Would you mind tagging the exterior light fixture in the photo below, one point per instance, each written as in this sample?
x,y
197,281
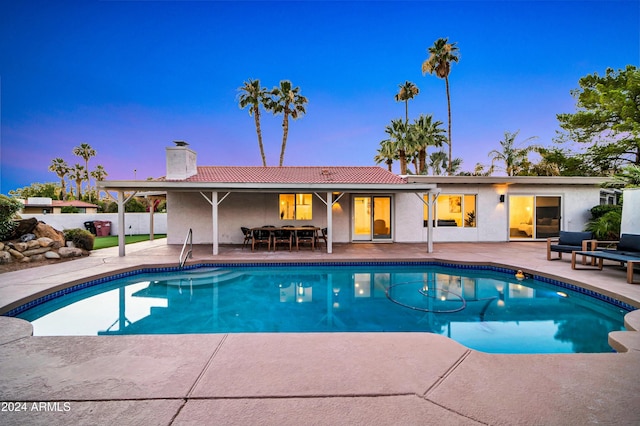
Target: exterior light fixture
x,y
502,198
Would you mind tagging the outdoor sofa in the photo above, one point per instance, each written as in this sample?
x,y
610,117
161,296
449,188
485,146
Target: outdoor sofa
x,y
627,251
570,241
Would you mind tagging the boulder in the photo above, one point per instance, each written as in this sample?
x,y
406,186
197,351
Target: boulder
x,y
51,255
5,257
37,258
25,259
27,237
44,230
16,254
33,244
23,226
66,252
45,242
1,246
18,246
35,251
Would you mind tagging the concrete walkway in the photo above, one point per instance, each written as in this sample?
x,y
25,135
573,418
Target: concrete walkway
x,y
294,379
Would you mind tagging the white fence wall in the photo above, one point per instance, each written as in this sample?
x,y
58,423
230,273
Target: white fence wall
x,y
135,223
630,208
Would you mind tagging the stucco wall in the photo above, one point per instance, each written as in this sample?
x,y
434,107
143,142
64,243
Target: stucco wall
x,y
135,223
630,208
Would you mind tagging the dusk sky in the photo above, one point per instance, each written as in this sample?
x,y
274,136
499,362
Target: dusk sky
x,y
129,77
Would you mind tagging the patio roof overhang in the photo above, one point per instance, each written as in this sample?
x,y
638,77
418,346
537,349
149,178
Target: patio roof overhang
x,y
182,186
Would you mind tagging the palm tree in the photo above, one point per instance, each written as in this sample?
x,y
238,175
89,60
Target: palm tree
x,y
386,154
438,163
78,173
441,55
512,156
287,101
398,132
86,152
426,133
60,168
254,95
407,91
99,173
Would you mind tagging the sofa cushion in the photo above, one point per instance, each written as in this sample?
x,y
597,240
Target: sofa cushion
x,y
568,238
629,242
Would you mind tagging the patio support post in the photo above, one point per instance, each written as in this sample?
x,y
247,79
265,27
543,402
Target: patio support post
x,y
214,221
151,208
329,223
121,225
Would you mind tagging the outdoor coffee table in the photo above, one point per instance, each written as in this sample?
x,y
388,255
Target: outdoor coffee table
x,y
631,261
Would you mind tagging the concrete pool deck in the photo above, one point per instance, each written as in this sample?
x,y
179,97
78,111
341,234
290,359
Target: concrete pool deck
x,y
293,379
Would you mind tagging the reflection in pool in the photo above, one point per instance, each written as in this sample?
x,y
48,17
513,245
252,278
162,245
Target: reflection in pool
x,y
485,310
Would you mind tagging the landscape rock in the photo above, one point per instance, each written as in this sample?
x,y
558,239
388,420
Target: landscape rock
x,y
18,246
15,253
32,244
51,255
33,252
37,258
45,242
66,252
27,237
25,259
44,230
23,226
5,257
1,246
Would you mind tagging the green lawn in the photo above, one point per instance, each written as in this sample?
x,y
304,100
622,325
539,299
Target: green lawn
x,y
112,240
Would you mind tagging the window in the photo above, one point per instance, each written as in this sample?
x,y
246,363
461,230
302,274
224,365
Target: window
x,y
453,210
296,206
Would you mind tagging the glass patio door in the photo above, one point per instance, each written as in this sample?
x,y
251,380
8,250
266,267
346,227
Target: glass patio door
x,y
534,217
371,218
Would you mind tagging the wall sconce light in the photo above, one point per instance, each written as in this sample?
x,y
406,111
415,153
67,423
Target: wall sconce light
x,y
502,198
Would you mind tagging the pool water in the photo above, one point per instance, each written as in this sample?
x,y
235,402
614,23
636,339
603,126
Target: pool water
x,y
485,310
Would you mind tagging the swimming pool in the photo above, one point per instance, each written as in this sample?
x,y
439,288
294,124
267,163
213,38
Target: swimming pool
x,y
481,307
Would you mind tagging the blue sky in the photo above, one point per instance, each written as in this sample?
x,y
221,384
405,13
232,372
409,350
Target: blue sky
x,y
128,77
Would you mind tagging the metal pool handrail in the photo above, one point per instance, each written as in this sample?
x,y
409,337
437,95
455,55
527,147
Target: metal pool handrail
x,y
188,239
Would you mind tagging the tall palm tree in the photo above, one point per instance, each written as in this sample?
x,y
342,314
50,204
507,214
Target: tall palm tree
x,y
60,168
99,173
407,91
386,154
438,161
78,173
288,101
85,152
510,155
253,95
398,132
441,55
426,133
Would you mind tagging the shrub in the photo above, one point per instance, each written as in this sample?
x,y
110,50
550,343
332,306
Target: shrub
x,y
81,238
602,209
8,208
69,209
607,226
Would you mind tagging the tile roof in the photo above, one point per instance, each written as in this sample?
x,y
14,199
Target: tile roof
x,y
74,203
295,174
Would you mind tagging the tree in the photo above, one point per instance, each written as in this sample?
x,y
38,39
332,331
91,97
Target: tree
x,y
407,91
398,132
426,133
253,95
438,163
48,190
86,152
510,155
77,174
386,154
441,55
607,118
288,101
99,173
61,169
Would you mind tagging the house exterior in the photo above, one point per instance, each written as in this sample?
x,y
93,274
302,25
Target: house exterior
x,y
360,204
45,205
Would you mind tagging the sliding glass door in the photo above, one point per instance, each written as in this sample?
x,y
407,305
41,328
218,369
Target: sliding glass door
x,y
371,218
534,216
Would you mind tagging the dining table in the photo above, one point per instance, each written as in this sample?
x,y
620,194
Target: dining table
x,y
294,229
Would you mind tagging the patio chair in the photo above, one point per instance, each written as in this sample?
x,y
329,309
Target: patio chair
x,y
306,236
247,236
322,235
568,242
260,236
282,236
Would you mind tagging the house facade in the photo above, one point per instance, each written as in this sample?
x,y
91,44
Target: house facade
x,y
361,204
45,205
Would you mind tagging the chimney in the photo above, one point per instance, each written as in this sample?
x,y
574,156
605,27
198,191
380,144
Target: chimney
x,y
181,161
